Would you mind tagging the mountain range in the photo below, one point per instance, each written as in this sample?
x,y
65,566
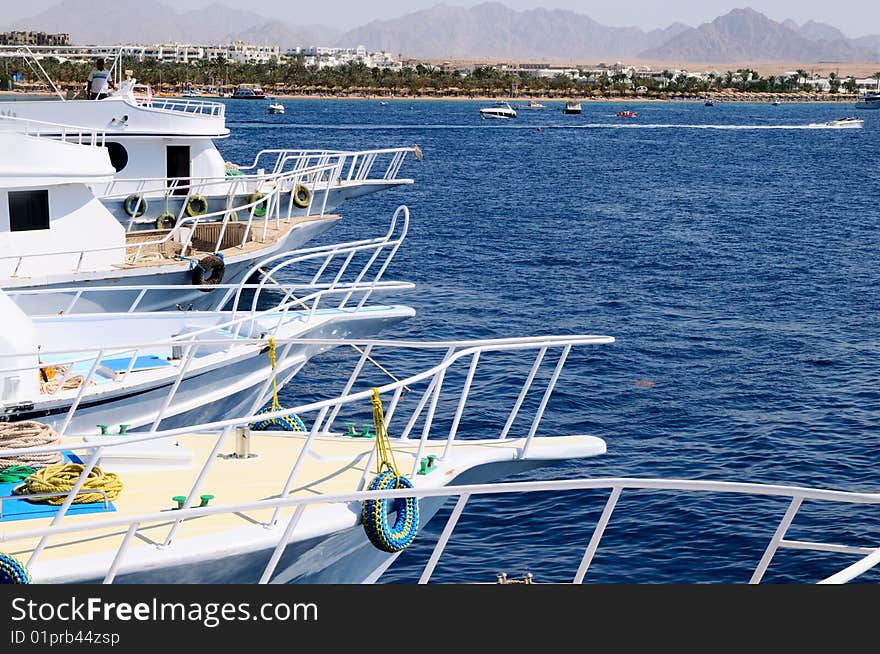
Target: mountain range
x,y
486,31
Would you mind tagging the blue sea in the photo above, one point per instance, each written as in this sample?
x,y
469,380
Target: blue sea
x,y
731,251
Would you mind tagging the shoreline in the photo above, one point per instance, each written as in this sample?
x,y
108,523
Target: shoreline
x,y
717,98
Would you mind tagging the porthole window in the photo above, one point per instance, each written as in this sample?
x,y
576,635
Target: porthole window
x,y
118,155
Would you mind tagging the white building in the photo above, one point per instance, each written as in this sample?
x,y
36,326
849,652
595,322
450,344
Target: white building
x,y
323,57
183,53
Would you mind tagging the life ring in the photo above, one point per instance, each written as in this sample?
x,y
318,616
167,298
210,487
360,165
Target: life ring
x,y
208,271
374,514
12,571
259,209
134,203
166,220
197,205
302,196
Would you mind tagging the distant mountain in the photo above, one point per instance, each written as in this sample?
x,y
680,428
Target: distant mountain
x,y
492,30
820,32
486,31
747,35
148,21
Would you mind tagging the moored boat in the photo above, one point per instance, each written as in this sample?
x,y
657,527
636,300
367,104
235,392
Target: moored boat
x,y
869,100
571,107
498,110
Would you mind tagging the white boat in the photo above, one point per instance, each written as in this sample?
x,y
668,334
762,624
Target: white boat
x,y
869,101
249,92
60,235
164,154
571,107
501,110
276,108
846,123
141,367
532,104
227,502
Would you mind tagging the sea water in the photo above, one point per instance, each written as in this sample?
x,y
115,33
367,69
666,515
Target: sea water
x,y
731,250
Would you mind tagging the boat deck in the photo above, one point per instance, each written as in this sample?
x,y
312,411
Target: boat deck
x,y
154,473
204,240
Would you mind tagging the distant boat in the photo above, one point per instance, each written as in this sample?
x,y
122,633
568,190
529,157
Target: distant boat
x,y
775,103
626,114
383,103
572,107
276,108
709,103
869,101
845,122
498,110
249,92
532,104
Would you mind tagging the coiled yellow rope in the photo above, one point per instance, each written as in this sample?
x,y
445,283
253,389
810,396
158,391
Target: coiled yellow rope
x,y
62,477
28,433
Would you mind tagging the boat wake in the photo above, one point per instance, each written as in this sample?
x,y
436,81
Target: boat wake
x,y
506,125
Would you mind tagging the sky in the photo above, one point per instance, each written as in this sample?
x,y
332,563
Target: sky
x,y
853,17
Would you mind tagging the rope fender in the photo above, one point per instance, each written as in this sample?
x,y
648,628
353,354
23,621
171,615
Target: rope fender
x,y
13,571
396,537
374,513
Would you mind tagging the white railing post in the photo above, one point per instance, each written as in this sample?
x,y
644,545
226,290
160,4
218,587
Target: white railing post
x,y
444,538
597,536
778,535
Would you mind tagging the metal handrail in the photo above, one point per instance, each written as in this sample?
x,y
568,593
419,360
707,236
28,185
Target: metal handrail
x,y
454,351
870,555
269,199
75,134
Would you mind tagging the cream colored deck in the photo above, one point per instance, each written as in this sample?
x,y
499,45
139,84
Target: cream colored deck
x,y
206,238
335,465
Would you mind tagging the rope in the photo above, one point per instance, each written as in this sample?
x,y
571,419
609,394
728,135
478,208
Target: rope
x,y
28,433
50,376
288,423
62,477
384,453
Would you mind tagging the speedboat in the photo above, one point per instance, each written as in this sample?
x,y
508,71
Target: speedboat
x,y
626,114
869,101
532,104
249,92
498,110
276,108
845,123
235,501
572,107
164,154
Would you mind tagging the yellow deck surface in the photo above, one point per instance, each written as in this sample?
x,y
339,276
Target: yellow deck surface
x,y
334,465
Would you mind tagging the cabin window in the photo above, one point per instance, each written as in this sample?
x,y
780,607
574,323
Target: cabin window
x,y
28,210
177,166
118,155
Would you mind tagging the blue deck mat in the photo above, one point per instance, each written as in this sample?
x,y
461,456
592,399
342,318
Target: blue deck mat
x,y
18,508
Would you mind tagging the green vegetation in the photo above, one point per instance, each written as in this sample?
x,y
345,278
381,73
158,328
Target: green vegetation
x,y
293,76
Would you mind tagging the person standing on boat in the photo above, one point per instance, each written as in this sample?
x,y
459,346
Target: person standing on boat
x,y
99,80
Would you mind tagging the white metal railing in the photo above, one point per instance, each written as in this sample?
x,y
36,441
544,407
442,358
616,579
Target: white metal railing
x,y
195,107
176,192
57,131
357,166
322,413
254,225
323,267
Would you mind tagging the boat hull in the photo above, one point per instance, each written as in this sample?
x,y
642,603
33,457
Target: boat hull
x,y
233,386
